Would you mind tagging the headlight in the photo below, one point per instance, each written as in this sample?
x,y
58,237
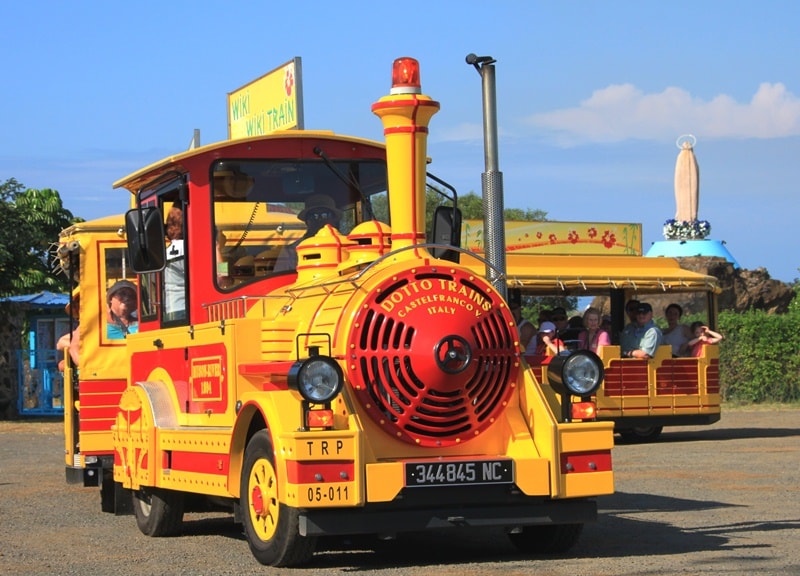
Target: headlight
x,y
578,373
318,379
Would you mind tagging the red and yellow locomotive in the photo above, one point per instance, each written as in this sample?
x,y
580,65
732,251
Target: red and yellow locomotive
x,y
301,357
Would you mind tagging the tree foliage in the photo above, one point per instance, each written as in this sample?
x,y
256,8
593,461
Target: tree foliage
x,y
30,221
471,206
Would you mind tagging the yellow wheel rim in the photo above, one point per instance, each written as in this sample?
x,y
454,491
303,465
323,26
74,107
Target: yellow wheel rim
x,y
262,490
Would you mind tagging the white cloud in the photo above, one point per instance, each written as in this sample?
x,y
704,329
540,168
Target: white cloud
x,y
623,112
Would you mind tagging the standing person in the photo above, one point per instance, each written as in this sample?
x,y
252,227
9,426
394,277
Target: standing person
x,y
676,334
642,339
71,340
593,336
122,314
175,269
703,335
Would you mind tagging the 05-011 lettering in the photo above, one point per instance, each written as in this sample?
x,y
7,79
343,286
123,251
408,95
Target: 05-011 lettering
x,y
327,493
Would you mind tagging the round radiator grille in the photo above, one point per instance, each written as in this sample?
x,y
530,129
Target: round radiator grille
x,y
433,357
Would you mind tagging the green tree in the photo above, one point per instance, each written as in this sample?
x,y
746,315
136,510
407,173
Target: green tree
x,y
471,206
30,221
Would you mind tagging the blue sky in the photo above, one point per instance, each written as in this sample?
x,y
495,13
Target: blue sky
x,y
591,97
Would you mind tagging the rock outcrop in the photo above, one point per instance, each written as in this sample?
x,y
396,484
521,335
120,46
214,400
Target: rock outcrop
x,y
741,289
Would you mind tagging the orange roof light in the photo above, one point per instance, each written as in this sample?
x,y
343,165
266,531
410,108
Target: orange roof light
x,y
405,76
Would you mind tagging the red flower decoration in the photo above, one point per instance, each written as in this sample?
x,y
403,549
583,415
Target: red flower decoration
x,y
573,236
288,82
592,232
609,239
553,238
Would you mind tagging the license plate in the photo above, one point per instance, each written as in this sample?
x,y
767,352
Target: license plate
x,y
459,473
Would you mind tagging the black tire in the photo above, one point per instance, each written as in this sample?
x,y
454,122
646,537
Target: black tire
x,y
158,512
641,434
546,539
271,528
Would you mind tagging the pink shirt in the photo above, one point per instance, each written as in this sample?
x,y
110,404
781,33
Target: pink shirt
x,y
696,350
600,338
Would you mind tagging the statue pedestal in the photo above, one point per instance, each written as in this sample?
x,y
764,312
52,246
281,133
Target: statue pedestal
x,y
689,248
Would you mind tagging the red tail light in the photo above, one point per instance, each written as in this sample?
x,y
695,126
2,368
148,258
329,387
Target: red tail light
x,y
584,411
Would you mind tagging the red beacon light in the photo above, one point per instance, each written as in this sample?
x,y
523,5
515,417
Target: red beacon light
x,y
405,76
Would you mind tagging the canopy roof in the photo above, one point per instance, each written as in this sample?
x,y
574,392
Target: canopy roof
x,y
549,274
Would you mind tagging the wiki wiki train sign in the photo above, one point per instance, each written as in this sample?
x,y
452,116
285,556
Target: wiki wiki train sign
x,y
269,103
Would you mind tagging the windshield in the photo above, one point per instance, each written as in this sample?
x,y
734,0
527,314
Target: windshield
x,y
263,208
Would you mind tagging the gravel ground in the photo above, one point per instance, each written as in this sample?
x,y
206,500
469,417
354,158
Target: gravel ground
x,y
723,499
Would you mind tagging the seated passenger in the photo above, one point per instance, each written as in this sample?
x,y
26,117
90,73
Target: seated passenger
x,y
703,335
631,309
558,316
319,210
175,268
549,344
527,331
122,310
642,339
593,335
676,334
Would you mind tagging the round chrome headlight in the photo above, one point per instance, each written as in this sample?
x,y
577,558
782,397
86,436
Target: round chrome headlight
x,y
579,373
318,379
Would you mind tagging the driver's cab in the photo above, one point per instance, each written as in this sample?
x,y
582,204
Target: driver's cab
x,y
242,218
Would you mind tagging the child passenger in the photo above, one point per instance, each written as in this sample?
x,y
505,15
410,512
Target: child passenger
x,y
703,335
549,344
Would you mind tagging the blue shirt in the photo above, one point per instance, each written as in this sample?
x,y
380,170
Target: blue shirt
x,y
647,338
117,332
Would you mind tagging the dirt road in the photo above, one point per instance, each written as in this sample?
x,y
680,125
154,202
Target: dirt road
x,y
723,499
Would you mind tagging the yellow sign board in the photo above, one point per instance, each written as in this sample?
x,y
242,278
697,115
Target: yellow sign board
x,y
559,237
269,103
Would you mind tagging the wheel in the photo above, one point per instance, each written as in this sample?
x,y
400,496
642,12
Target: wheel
x,y
158,512
546,539
640,434
271,528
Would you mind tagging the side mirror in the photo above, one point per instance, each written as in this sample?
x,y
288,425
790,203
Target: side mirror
x,y
144,228
446,230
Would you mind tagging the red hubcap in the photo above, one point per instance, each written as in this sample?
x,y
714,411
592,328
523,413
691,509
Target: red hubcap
x,y
257,501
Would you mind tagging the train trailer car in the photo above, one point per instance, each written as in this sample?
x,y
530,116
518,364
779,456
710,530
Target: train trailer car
x,y
640,396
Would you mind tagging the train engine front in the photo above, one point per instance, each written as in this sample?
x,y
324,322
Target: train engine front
x,y
418,411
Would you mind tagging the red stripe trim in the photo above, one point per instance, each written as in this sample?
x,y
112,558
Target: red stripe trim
x,y
314,471
100,400
96,425
102,386
202,462
406,130
415,102
98,412
581,462
410,235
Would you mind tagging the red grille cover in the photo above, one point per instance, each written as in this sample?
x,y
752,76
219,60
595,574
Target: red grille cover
x,y
433,359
